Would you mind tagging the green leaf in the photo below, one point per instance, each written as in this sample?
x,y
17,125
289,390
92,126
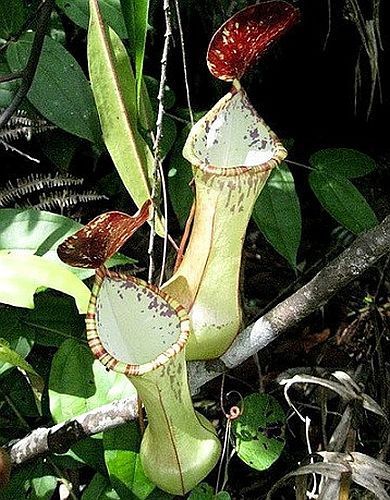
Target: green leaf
x,y
343,161
7,89
37,478
343,201
259,431
78,384
136,20
38,232
205,492
12,18
43,486
53,89
59,147
78,12
99,489
121,454
20,393
11,330
8,355
277,213
179,178
22,275
114,88
53,320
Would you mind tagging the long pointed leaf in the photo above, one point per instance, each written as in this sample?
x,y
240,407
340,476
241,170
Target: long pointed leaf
x,y
113,86
136,21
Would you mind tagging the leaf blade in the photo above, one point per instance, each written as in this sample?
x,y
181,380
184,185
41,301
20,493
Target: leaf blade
x,y
113,86
22,275
342,201
52,91
277,213
343,161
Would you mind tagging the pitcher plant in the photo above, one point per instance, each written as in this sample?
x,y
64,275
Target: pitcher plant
x,y
138,330
232,152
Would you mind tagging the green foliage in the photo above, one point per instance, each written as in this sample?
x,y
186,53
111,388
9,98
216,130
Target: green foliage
x,y
205,492
12,19
78,12
136,21
343,201
28,231
121,446
342,161
179,178
78,383
23,275
114,90
277,213
99,489
259,431
53,89
37,478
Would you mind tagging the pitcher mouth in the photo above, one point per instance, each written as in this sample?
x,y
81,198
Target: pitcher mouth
x,y
98,340
232,139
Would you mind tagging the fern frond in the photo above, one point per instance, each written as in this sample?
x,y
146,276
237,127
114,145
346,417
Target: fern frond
x,y
23,126
66,199
34,183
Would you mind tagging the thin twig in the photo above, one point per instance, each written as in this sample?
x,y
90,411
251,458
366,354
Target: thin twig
x,y
32,63
11,77
156,145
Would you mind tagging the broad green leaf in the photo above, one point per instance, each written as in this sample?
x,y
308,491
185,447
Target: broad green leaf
x,y
53,89
205,492
114,89
33,231
22,275
259,431
343,201
12,18
179,178
277,213
136,21
78,12
121,454
53,320
78,383
99,489
342,161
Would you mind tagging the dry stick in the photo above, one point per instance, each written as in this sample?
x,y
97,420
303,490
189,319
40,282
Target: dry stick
x,y
32,63
156,145
360,256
